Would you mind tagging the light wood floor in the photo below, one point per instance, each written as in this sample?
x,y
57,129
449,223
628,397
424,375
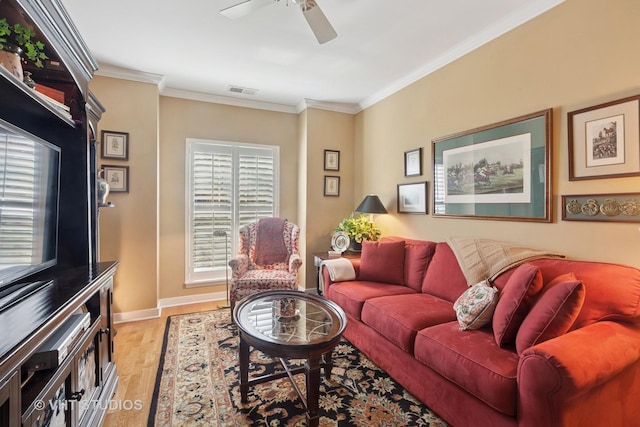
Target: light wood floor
x,y
137,354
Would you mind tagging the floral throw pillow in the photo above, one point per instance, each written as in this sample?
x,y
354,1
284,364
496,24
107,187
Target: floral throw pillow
x,y
474,308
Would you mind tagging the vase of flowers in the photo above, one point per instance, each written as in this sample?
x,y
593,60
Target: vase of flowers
x,y
18,43
358,228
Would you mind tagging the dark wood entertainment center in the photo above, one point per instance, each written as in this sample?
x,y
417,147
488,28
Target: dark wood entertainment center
x,y
78,391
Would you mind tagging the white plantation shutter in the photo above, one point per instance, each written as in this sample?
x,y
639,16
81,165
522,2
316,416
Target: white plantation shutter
x,y
228,185
19,192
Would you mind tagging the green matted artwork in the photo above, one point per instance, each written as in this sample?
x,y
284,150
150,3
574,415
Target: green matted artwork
x,y
500,171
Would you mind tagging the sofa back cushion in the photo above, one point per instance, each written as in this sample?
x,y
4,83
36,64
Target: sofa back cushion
x,y
444,277
612,291
382,262
417,256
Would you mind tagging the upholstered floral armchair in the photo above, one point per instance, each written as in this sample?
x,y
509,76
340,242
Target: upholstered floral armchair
x,y
267,259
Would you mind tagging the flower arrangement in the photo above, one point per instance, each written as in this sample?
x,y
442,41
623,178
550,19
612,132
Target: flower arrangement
x,y
359,228
22,37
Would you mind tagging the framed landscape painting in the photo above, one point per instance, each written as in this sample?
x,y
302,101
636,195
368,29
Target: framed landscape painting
x,y
500,171
412,198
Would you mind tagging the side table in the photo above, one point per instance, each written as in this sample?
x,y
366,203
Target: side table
x,y
318,257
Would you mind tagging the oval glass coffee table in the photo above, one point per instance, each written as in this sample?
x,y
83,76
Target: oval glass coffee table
x,y
290,325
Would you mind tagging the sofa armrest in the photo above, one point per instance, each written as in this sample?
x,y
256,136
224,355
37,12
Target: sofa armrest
x,y
327,278
295,262
239,266
586,377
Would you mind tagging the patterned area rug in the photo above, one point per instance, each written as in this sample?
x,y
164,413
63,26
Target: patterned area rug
x,y
197,384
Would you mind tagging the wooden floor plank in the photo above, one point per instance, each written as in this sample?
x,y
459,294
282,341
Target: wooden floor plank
x,y
137,354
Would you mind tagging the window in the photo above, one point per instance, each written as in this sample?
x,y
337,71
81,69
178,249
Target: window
x,y
228,185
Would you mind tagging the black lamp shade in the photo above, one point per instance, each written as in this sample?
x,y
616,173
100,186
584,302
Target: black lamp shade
x,y
371,205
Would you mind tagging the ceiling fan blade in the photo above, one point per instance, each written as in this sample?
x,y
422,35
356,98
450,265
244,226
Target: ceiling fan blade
x,y
318,22
244,8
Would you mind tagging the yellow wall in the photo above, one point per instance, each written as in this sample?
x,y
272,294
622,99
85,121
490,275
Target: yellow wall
x,y
578,54
326,130
129,231
181,119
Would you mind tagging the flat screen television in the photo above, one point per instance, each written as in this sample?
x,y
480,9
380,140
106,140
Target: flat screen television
x,y
29,198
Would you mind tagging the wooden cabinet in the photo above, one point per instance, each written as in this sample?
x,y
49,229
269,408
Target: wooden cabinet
x,y
77,389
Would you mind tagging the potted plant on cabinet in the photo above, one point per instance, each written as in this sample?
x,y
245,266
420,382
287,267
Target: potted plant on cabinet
x,y
358,228
17,40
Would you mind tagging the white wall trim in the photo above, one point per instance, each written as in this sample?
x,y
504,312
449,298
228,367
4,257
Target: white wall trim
x,y
154,313
112,71
133,316
532,10
228,100
192,299
338,107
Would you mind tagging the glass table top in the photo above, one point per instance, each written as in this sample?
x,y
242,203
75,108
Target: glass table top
x,y
290,318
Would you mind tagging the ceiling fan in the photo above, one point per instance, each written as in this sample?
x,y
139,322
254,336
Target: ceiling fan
x,y
318,22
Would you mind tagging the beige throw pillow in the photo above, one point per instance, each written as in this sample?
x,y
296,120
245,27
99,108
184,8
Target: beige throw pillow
x,y
474,308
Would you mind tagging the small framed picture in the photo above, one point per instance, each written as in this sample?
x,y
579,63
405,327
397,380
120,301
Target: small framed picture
x,y
604,140
331,160
413,162
331,185
412,198
115,145
117,177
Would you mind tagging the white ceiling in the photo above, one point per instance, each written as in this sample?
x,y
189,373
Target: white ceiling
x,y
191,50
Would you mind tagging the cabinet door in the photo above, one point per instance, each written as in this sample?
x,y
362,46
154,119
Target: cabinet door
x,y
106,330
9,403
52,407
87,384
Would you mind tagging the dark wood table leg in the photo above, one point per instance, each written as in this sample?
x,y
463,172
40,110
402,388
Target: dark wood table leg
x,y
312,371
244,370
328,364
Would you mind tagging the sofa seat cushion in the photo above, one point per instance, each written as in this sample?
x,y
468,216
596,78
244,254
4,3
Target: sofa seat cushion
x,y
351,296
472,360
399,317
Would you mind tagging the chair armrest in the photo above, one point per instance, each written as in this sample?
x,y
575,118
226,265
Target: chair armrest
x,y
295,262
239,266
569,380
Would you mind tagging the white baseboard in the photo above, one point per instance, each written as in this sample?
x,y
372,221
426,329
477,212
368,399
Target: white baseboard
x,y
154,313
192,299
132,316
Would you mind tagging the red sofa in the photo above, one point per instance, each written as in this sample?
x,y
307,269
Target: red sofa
x,y
589,375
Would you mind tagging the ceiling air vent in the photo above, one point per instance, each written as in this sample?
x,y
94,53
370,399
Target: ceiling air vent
x,y
242,90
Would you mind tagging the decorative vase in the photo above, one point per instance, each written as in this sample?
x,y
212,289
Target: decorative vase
x,y
355,246
11,60
28,80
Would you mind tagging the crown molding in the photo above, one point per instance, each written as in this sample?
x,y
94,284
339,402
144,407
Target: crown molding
x,y
338,107
227,100
527,13
107,70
